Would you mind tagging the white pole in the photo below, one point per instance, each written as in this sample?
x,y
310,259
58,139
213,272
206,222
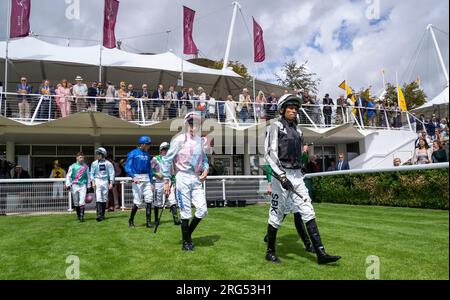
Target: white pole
x,y
100,64
101,45
182,48
8,19
384,81
230,35
398,97
430,28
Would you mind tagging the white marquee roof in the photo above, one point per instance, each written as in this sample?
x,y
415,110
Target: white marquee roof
x,y
33,49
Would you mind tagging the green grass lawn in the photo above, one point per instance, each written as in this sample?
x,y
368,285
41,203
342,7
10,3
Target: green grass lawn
x,y
411,244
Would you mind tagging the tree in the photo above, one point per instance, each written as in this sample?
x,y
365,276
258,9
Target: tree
x,y
298,77
237,67
414,95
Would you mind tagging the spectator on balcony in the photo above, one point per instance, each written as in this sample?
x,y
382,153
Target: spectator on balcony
x,y
422,154
351,111
20,173
443,124
172,102
92,94
183,97
397,162
63,98
230,110
371,112
211,107
192,97
79,91
432,125
244,105
271,106
201,102
260,106
145,96
383,114
132,96
439,154
437,135
342,164
327,109
423,135
124,106
23,100
110,101
340,110
158,103
45,109
101,93
421,124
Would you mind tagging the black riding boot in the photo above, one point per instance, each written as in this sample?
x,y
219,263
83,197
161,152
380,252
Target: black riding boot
x,y
173,208
81,208
103,210
98,206
194,224
322,256
133,213
302,233
271,238
265,238
77,209
148,215
156,215
187,243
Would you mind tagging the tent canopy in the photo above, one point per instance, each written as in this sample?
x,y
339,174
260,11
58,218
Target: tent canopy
x,y
437,105
39,60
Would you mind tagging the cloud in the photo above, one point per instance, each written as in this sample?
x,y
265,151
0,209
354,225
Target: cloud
x,y
335,37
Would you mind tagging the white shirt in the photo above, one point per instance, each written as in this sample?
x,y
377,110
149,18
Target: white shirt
x,y
212,105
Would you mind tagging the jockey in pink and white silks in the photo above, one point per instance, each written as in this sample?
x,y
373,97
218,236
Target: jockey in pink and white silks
x,y
187,153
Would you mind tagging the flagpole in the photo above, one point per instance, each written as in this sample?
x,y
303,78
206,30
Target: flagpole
x,y
101,44
182,46
398,96
8,20
230,35
384,80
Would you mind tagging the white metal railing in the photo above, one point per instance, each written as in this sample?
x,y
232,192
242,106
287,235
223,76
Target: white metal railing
x,y
48,194
147,111
43,195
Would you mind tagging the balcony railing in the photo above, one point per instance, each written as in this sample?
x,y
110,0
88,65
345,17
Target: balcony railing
x,y
36,108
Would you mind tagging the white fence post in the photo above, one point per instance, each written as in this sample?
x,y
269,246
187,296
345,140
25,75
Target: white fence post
x,y
224,198
70,202
122,192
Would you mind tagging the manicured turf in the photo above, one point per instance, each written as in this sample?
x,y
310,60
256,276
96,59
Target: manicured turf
x,y
411,244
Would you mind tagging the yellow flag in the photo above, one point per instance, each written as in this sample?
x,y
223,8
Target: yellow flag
x,y
401,99
343,85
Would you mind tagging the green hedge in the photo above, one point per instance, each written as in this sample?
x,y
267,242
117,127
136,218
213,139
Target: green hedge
x,y
420,189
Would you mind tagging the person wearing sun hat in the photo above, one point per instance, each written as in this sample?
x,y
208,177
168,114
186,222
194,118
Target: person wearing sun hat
x,y
79,91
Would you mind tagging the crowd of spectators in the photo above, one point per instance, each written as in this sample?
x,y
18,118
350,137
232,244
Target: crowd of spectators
x,y
432,143
125,101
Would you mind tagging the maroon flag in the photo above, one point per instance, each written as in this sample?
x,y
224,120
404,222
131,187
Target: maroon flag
x,y
258,43
20,18
188,24
109,23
